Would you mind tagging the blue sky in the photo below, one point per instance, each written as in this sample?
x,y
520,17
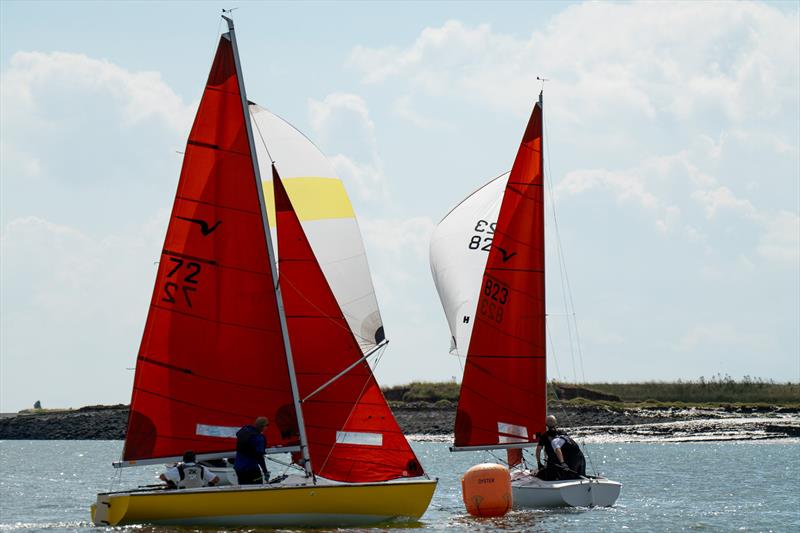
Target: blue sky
x,y
673,134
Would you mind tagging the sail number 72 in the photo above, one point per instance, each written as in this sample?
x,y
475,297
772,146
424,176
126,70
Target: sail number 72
x,y
171,288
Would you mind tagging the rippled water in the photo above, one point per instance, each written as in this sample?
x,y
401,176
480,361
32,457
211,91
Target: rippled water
x,y
741,486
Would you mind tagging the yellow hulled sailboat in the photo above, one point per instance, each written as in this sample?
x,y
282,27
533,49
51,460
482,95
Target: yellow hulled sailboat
x,y
228,339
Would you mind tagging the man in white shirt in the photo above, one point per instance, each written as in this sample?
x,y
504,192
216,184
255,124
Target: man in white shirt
x,y
188,474
564,457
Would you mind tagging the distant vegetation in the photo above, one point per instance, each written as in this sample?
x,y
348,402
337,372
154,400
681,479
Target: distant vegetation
x,y
420,391
717,390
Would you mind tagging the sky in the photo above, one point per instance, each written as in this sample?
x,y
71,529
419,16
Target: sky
x,y
672,135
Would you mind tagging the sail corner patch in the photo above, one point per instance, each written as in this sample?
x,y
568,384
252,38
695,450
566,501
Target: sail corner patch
x,y
364,439
511,433
225,432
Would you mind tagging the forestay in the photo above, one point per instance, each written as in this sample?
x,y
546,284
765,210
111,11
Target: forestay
x,y
327,217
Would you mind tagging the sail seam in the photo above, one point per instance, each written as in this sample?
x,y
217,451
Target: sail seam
x,y
187,256
209,146
219,206
213,321
212,379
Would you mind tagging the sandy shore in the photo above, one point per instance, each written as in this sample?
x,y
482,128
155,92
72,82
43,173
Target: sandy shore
x,y
591,422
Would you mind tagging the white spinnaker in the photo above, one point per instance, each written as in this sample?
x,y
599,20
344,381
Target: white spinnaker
x,y
327,216
458,253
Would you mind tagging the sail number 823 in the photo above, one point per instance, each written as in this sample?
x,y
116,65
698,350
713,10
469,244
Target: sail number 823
x,y
493,300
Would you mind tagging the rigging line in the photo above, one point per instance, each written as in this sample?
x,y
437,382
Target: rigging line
x,y
217,35
284,463
352,410
562,267
115,480
564,411
346,370
263,143
569,287
334,320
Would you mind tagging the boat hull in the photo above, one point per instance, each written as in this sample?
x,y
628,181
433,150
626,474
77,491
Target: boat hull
x,y
274,506
532,493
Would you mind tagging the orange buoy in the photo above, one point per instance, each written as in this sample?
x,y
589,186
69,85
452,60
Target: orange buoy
x,y
486,489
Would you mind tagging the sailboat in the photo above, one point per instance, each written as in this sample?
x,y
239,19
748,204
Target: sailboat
x,y
488,263
237,329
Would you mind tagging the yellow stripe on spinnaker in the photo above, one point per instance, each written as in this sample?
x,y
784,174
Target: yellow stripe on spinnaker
x,y
313,198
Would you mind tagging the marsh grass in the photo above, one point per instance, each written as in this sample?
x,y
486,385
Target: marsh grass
x,y
717,391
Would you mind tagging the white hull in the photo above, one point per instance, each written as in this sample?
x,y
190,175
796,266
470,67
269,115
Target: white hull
x,y
531,492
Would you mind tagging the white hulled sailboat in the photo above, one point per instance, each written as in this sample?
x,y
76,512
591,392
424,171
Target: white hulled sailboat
x,y
488,264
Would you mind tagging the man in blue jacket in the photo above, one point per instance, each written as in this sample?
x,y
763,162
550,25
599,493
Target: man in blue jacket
x,y
251,444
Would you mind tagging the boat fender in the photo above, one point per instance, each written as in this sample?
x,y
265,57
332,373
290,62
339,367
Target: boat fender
x,y
486,490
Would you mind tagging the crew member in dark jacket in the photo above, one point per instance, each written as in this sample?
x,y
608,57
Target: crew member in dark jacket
x,y
564,457
250,447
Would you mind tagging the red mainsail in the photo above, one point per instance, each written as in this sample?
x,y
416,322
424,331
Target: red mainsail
x,y
502,399
212,356
352,434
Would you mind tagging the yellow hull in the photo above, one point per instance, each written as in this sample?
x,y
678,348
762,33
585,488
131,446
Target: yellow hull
x,y
307,505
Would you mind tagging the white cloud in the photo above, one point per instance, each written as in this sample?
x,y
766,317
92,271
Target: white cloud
x,y
326,112
737,60
399,237
781,240
67,120
628,187
141,95
722,198
404,108
25,163
65,295
716,335
344,128
398,253
367,179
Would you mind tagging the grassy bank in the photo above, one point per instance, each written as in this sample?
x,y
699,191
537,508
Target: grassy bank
x,y
718,390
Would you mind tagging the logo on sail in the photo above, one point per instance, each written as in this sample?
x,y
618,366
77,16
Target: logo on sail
x,y
506,255
204,229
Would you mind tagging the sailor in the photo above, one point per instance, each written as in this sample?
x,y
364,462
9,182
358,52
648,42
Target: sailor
x,y
188,474
564,457
251,444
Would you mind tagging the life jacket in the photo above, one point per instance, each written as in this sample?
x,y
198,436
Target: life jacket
x,y
191,476
570,449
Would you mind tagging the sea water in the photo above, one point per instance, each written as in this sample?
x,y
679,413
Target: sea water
x,y
730,486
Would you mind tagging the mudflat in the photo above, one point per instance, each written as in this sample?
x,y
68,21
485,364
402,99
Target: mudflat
x,y
589,420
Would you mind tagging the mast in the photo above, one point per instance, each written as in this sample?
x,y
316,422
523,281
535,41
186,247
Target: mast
x,y
544,263
281,313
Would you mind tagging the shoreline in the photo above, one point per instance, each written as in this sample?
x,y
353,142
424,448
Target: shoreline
x,y
425,421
